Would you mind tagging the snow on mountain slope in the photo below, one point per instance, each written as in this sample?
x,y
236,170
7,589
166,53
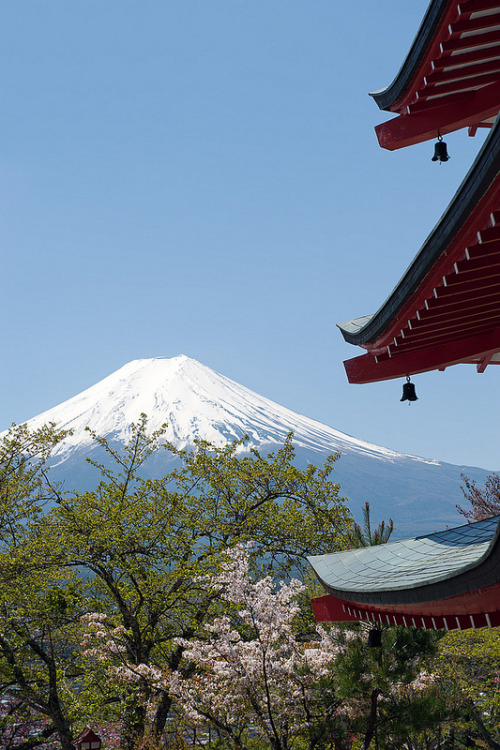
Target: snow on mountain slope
x,y
195,402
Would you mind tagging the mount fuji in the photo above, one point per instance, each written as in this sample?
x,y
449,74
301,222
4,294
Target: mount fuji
x,y
196,402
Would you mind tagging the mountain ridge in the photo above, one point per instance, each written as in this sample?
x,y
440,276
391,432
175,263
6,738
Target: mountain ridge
x,y
194,401
421,494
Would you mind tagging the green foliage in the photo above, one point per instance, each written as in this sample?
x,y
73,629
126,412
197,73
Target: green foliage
x,y
134,549
37,604
393,694
24,485
472,659
404,652
365,537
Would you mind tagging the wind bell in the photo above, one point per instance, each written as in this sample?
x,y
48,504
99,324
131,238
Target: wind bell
x,y
409,391
440,150
374,638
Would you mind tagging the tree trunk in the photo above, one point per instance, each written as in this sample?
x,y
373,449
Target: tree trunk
x,y
161,715
134,724
372,720
485,735
65,738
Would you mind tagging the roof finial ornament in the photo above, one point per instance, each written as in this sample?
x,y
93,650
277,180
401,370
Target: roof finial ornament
x,y
440,150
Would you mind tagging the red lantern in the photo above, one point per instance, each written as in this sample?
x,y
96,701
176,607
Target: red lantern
x,y
87,740
343,743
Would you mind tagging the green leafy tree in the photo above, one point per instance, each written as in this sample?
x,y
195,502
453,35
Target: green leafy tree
x,y
40,664
140,546
35,604
472,659
24,484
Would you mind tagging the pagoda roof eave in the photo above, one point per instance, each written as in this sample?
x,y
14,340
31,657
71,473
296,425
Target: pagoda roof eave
x,y
367,330
436,566
450,78
388,96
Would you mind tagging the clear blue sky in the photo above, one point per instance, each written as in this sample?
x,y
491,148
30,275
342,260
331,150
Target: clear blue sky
x,y
202,177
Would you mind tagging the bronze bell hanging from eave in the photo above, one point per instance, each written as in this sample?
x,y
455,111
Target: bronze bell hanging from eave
x,y
374,638
440,150
409,391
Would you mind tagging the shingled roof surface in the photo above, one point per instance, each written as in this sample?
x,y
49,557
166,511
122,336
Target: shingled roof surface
x,y
409,564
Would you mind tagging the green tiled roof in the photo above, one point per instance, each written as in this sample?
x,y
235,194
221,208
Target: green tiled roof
x,y
398,566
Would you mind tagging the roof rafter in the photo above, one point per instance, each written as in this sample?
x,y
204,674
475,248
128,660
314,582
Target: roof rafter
x,y
455,56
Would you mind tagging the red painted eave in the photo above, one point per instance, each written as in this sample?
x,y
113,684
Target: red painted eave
x,y
480,608
451,78
471,109
446,308
476,350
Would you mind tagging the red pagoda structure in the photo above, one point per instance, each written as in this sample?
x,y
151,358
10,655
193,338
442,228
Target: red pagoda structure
x,y
450,78
445,580
444,311
446,308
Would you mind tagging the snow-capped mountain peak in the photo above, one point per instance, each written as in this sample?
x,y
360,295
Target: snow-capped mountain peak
x,y
195,402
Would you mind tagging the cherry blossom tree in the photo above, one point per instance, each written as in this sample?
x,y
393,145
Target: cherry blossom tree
x,y
142,545
253,677
256,678
485,502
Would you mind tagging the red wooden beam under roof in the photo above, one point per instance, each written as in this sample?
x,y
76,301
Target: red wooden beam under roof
x,y
446,308
455,613
450,78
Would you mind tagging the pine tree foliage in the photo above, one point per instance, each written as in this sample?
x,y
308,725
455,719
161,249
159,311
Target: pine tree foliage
x,y
366,537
